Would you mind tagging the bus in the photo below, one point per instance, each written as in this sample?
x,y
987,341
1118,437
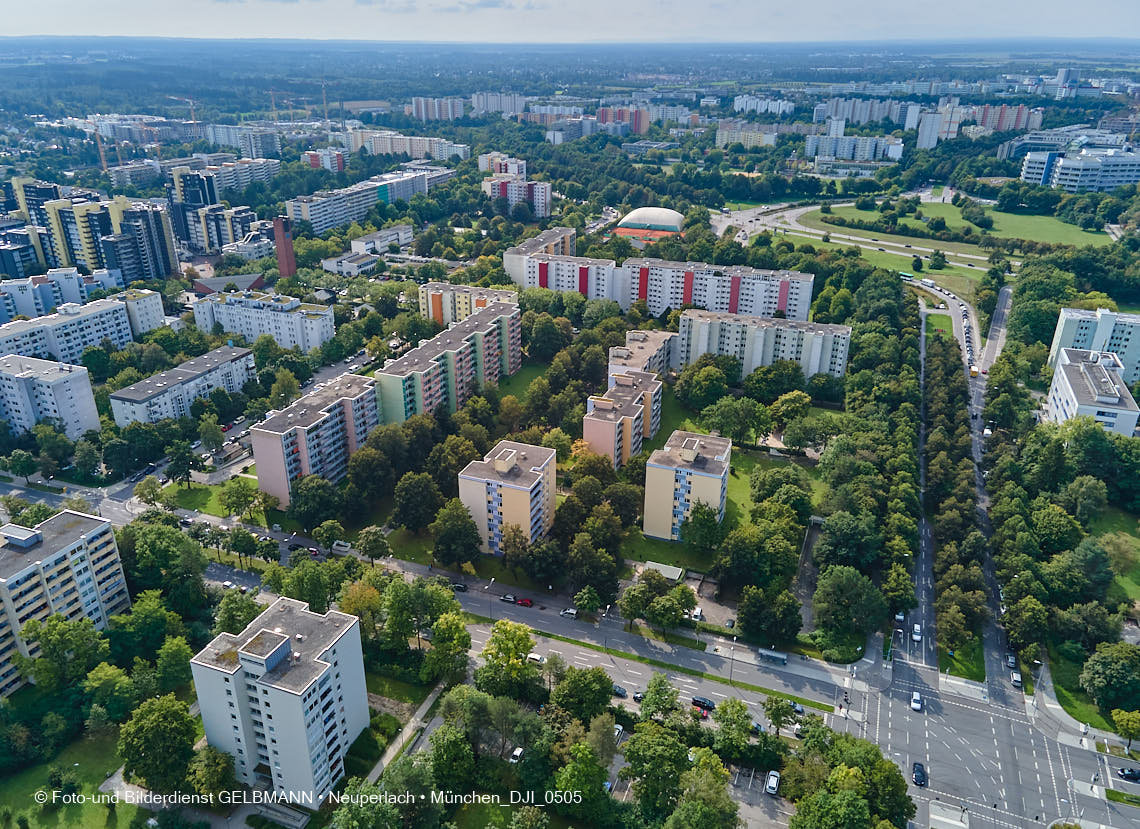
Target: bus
x,y
973,371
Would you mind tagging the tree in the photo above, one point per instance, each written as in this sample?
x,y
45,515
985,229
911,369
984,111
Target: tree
x,y
779,712
701,529
446,460
1127,724
417,500
736,418
1085,498
514,547
585,776
327,532
372,544
211,772
506,671
626,501
148,490
237,495
656,760
733,728
847,601
586,600
68,651
21,463
792,405
285,389
771,621
898,589
110,688
767,383
457,539
529,817
173,663
1111,676
847,539
235,612
584,692
314,499
702,387
824,810
157,743
265,503
661,698
452,759
511,412
181,461
450,642
210,433
704,802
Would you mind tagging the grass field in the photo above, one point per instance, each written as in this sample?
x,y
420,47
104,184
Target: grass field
x,y
1118,530
396,689
517,383
1066,683
936,323
92,759
968,662
814,219
205,499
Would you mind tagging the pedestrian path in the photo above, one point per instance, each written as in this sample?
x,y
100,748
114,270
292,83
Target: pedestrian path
x,y
416,722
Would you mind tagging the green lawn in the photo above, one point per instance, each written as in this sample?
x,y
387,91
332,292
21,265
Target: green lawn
x,y
92,759
396,689
936,191
518,382
1066,683
968,662
937,322
1118,531
814,219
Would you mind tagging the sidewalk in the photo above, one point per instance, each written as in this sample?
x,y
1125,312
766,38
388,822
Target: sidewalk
x,y
1049,716
416,722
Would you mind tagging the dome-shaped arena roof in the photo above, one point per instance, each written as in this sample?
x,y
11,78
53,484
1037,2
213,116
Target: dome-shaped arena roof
x,y
653,218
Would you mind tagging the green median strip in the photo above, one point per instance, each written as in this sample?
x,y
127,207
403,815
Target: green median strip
x,y
657,663
1123,797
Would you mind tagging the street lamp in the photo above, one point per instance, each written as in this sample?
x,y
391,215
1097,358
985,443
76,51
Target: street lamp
x,y
731,659
490,606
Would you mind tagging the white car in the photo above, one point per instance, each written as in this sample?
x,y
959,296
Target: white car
x,y
916,634
619,729
772,784
516,755
569,613
916,701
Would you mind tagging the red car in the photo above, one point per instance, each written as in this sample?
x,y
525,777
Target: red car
x,y
525,602
701,712
227,427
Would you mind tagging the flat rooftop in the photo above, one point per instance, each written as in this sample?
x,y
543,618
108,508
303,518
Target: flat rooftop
x,y
311,408
309,635
133,293
58,532
547,237
766,322
422,357
46,370
707,454
727,270
1081,313
639,347
73,312
1093,383
580,260
190,370
510,463
383,234
494,294
625,396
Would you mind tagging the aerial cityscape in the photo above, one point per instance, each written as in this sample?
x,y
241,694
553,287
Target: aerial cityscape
x,y
446,415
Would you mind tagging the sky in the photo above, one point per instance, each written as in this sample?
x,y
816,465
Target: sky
x,y
562,21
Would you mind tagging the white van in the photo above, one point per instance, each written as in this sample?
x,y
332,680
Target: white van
x,y
697,615
339,546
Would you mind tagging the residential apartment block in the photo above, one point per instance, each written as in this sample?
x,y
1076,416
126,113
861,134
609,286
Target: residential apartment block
x,y
144,309
496,162
508,103
452,366
651,351
35,296
663,285
557,241
1091,384
327,209
65,334
326,157
316,434
513,484
68,564
446,303
33,390
387,142
379,242
436,109
819,348
515,189
135,237
1099,171
170,393
285,698
1100,330
628,413
690,469
290,322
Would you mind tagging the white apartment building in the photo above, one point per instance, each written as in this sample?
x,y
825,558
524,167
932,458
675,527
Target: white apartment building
x,y
380,241
755,103
68,564
327,209
65,334
170,393
34,296
285,698
436,109
1091,383
496,162
316,434
1100,330
508,103
513,484
819,348
252,246
854,147
690,469
515,189
351,264
387,142
326,157
144,309
33,390
290,322
1100,171
654,352
557,241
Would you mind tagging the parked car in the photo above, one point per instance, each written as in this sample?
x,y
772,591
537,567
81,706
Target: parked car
x,y
195,444
703,713
508,598
525,602
1132,775
705,703
619,729
918,774
620,692
799,709
638,696
569,613
459,587
536,658
226,585
1011,660
516,755
772,784
757,729
341,546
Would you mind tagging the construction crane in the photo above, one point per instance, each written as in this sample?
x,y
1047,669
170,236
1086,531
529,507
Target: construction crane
x,y
273,93
325,100
189,101
102,155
